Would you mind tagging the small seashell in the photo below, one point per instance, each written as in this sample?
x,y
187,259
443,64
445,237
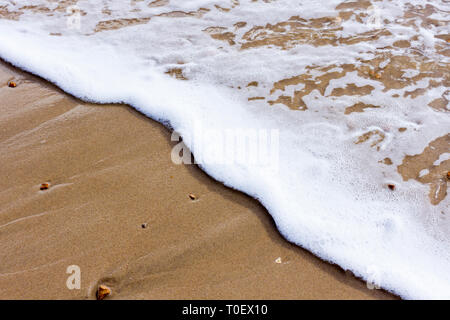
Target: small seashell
x,y
278,260
12,84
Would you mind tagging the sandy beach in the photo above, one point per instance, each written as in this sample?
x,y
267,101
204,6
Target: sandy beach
x,y
118,208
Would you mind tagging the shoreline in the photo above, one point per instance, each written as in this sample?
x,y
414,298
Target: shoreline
x,y
110,174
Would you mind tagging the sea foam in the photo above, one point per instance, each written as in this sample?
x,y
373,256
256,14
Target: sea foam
x,y
329,193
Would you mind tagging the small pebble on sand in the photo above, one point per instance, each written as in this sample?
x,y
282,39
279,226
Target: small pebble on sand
x,y
45,186
391,186
192,196
102,292
12,84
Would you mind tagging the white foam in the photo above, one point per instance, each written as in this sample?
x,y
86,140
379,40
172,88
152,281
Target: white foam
x,y
443,157
329,193
423,172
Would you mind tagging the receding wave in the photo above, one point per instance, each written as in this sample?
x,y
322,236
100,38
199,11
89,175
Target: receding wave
x,y
357,92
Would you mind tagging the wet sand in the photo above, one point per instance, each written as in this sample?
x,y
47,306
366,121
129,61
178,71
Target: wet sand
x,y
118,208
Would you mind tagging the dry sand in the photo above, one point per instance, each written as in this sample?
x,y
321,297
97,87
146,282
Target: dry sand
x,y
110,172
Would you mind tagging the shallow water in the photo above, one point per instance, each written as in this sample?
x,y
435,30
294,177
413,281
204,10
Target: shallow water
x,y
358,92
